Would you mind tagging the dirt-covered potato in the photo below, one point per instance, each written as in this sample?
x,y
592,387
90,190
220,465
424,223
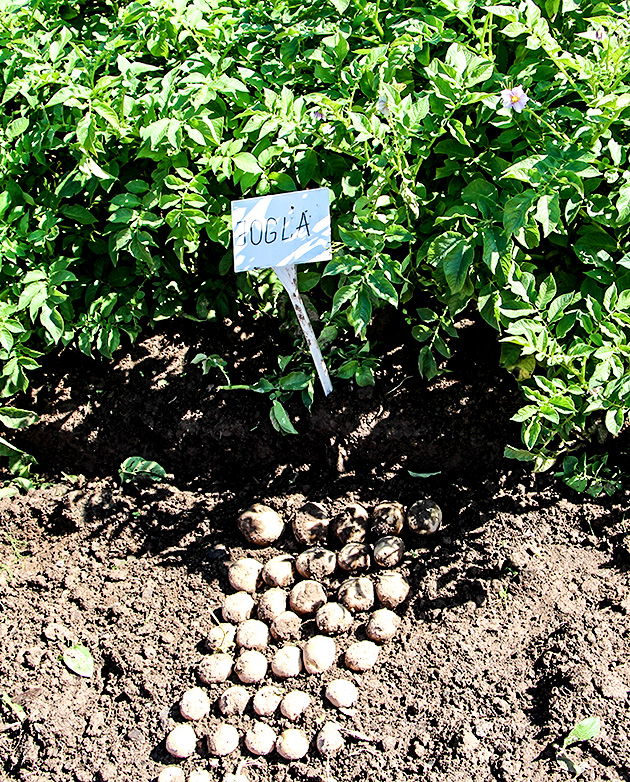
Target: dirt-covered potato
x,y
234,701
286,627
267,700
333,618
251,667
382,625
353,557
279,571
392,588
388,518
318,653
260,525
271,604
424,517
221,638
329,739
316,563
244,574
389,551
238,607
351,525
171,774
222,739
310,525
215,668
260,739
181,742
357,594
252,634
294,704
292,744
199,775
194,704
306,597
341,693
361,656
287,662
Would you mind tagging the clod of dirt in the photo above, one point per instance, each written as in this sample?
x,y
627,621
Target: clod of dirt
x,y
171,774
292,744
252,634
329,739
361,656
392,588
287,662
251,667
222,739
382,625
244,574
424,517
260,525
234,701
316,563
260,739
272,603
341,693
221,638
267,700
354,557
279,571
319,654
215,668
294,704
286,627
351,525
389,551
306,597
194,704
388,519
238,607
333,618
310,525
181,741
357,594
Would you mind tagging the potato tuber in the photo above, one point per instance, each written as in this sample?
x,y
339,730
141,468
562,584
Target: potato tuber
x,y
181,742
222,739
286,627
329,739
382,625
234,701
388,519
252,634
319,654
424,517
271,604
392,588
351,525
292,744
316,563
243,575
267,700
341,693
361,656
194,704
333,618
279,571
251,667
388,551
310,525
260,739
260,525
238,607
357,594
287,662
306,597
353,557
215,668
294,704
221,638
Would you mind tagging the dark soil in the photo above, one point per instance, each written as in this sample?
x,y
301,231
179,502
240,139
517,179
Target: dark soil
x,y
516,627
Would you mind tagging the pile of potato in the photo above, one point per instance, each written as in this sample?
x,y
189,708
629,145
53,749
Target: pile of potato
x,y
348,564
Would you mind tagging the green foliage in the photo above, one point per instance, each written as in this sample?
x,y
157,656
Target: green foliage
x,y
127,130
136,469
79,660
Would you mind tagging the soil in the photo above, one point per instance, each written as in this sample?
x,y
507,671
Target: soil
x,y
516,627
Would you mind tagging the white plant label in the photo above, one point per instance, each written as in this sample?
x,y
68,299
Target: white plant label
x,y
279,231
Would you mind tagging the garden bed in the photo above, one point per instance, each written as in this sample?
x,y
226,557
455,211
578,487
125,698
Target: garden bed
x,y
516,627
